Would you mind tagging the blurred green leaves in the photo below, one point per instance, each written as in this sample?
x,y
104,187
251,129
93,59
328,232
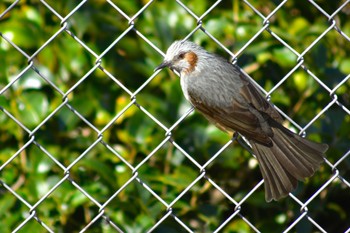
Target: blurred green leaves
x,y
133,136
32,107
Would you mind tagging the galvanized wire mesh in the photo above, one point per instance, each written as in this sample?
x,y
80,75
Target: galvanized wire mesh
x,y
63,23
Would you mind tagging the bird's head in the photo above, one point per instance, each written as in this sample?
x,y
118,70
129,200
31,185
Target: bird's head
x,y
182,56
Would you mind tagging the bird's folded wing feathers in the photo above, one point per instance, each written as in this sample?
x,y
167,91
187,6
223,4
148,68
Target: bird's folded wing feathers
x,y
251,94
248,114
233,117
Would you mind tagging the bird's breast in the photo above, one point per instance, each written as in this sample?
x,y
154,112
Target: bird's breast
x,y
206,90
184,86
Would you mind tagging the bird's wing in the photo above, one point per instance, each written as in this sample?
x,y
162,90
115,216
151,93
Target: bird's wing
x,y
251,94
248,114
235,117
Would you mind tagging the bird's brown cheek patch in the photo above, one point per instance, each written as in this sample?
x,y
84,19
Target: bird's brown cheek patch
x,y
192,59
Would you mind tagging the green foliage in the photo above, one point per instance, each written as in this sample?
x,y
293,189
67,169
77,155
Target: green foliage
x,y
67,137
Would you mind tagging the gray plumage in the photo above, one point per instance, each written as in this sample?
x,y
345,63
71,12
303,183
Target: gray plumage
x,y
227,98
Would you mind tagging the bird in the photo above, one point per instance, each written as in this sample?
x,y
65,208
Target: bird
x,y
231,101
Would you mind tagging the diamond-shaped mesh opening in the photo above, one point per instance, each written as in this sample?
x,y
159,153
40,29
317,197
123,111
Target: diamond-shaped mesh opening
x,y
90,91
337,128
30,24
164,178
63,73
27,103
92,139
95,170
120,204
208,209
44,171
127,52
129,8
68,129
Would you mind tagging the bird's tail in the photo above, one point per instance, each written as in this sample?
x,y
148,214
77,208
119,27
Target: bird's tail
x,y
288,159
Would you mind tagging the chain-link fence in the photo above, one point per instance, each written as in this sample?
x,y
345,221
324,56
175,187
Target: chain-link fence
x,y
92,140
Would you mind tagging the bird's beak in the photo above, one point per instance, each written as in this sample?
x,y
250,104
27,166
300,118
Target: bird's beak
x,y
162,65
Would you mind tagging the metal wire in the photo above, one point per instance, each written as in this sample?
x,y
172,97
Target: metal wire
x,y
169,213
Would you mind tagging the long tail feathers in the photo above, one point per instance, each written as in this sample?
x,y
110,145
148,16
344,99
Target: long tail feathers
x,y
290,158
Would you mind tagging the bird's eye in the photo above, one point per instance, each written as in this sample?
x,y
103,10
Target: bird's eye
x,y
181,55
